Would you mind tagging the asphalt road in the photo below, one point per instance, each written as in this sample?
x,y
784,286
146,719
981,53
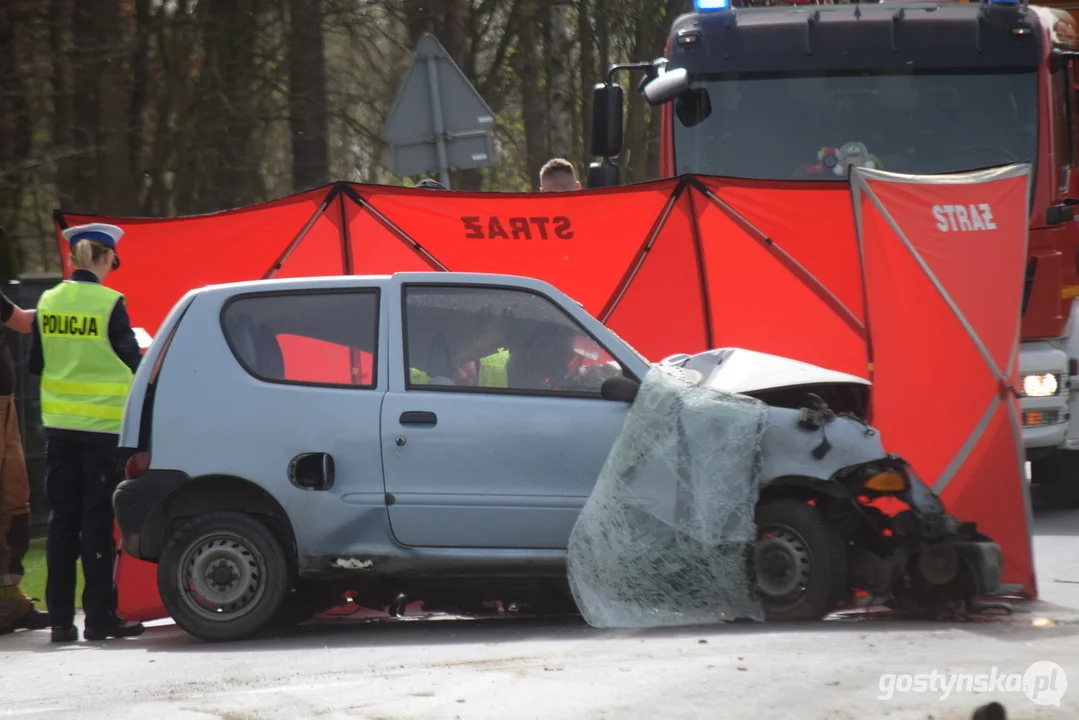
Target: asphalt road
x,y
505,669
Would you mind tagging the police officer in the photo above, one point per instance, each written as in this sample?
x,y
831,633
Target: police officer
x,y
86,354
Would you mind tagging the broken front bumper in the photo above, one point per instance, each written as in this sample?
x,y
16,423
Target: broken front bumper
x,y
984,561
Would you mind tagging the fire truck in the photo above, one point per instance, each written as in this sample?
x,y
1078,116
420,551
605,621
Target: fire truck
x,y
928,88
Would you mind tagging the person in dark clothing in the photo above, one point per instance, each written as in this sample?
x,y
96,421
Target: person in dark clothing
x,y
17,611
86,364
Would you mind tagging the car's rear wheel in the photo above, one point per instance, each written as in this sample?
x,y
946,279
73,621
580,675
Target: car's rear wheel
x,y
801,561
223,576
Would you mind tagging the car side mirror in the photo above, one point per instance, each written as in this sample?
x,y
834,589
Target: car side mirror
x,y
619,389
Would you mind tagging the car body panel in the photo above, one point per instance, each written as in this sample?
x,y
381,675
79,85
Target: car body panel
x,y
737,370
496,470
232,424
787,450
136,396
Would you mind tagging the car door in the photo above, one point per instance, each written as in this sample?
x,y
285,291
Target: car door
x,y
493,431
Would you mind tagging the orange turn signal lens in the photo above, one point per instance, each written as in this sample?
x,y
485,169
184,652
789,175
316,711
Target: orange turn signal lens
x,y
887,482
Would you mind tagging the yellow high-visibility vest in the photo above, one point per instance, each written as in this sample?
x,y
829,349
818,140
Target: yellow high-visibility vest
x,y
493,369
84,384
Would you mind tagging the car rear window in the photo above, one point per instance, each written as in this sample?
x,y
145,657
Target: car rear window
x,y
306,337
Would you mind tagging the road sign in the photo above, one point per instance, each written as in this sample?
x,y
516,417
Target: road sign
x,y
438,121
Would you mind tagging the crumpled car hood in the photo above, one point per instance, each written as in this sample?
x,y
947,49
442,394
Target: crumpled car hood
x,y
737,370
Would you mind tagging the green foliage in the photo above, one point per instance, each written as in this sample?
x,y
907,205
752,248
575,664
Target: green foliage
x,y
33,582
206,124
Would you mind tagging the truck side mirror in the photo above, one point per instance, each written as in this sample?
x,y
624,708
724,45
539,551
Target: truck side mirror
x,y
667,86
601,175
606,120
693,107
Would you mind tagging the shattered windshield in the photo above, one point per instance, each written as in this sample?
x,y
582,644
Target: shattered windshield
x,y
813,127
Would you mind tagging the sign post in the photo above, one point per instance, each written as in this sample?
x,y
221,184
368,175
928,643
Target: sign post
x,y
438,122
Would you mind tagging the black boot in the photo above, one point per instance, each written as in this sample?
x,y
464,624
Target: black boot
x,y
33,620
65,634
112,628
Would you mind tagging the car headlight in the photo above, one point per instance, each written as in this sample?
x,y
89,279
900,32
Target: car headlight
x,y
1040,385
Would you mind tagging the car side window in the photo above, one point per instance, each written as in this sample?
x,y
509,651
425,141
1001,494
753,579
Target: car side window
x,y
499,340
306,338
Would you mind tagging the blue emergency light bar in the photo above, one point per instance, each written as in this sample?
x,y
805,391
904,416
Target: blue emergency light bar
x,y
707,5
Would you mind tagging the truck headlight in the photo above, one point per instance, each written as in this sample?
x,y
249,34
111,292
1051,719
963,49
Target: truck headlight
x,y
1040,385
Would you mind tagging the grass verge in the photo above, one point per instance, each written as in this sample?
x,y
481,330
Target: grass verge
x,y
33,582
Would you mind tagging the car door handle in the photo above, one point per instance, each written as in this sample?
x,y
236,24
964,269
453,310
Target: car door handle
x,y
418,417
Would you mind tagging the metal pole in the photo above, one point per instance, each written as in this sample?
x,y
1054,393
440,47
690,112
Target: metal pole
x,y
436,110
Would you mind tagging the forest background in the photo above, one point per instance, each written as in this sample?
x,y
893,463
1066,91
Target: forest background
x,y
159,108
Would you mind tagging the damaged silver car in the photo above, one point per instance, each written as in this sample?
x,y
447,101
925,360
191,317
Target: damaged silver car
x,y
462,439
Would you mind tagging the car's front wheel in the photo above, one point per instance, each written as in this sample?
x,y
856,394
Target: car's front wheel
x,y
801,561
223,576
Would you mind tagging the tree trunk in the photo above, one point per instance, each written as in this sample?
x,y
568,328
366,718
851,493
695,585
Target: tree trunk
x,y
634,157
640,159
85,77
674,9
63,144
560,117
175,44
588,77
117,186
140,77
225,164
421,16
602,19
307,96
526,66
15,127
455,38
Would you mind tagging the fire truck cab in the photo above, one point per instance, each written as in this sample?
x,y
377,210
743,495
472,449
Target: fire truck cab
x,y
928,87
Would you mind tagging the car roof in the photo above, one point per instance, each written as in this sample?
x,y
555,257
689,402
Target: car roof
x,y
344,282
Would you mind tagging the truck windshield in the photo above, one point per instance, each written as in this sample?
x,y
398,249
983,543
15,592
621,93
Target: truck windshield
x,y
792,126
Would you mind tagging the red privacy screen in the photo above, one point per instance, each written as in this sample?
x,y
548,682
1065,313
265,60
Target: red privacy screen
x,y
943,269
684,265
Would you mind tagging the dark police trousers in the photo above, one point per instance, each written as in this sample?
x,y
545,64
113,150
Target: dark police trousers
x,y
81,472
